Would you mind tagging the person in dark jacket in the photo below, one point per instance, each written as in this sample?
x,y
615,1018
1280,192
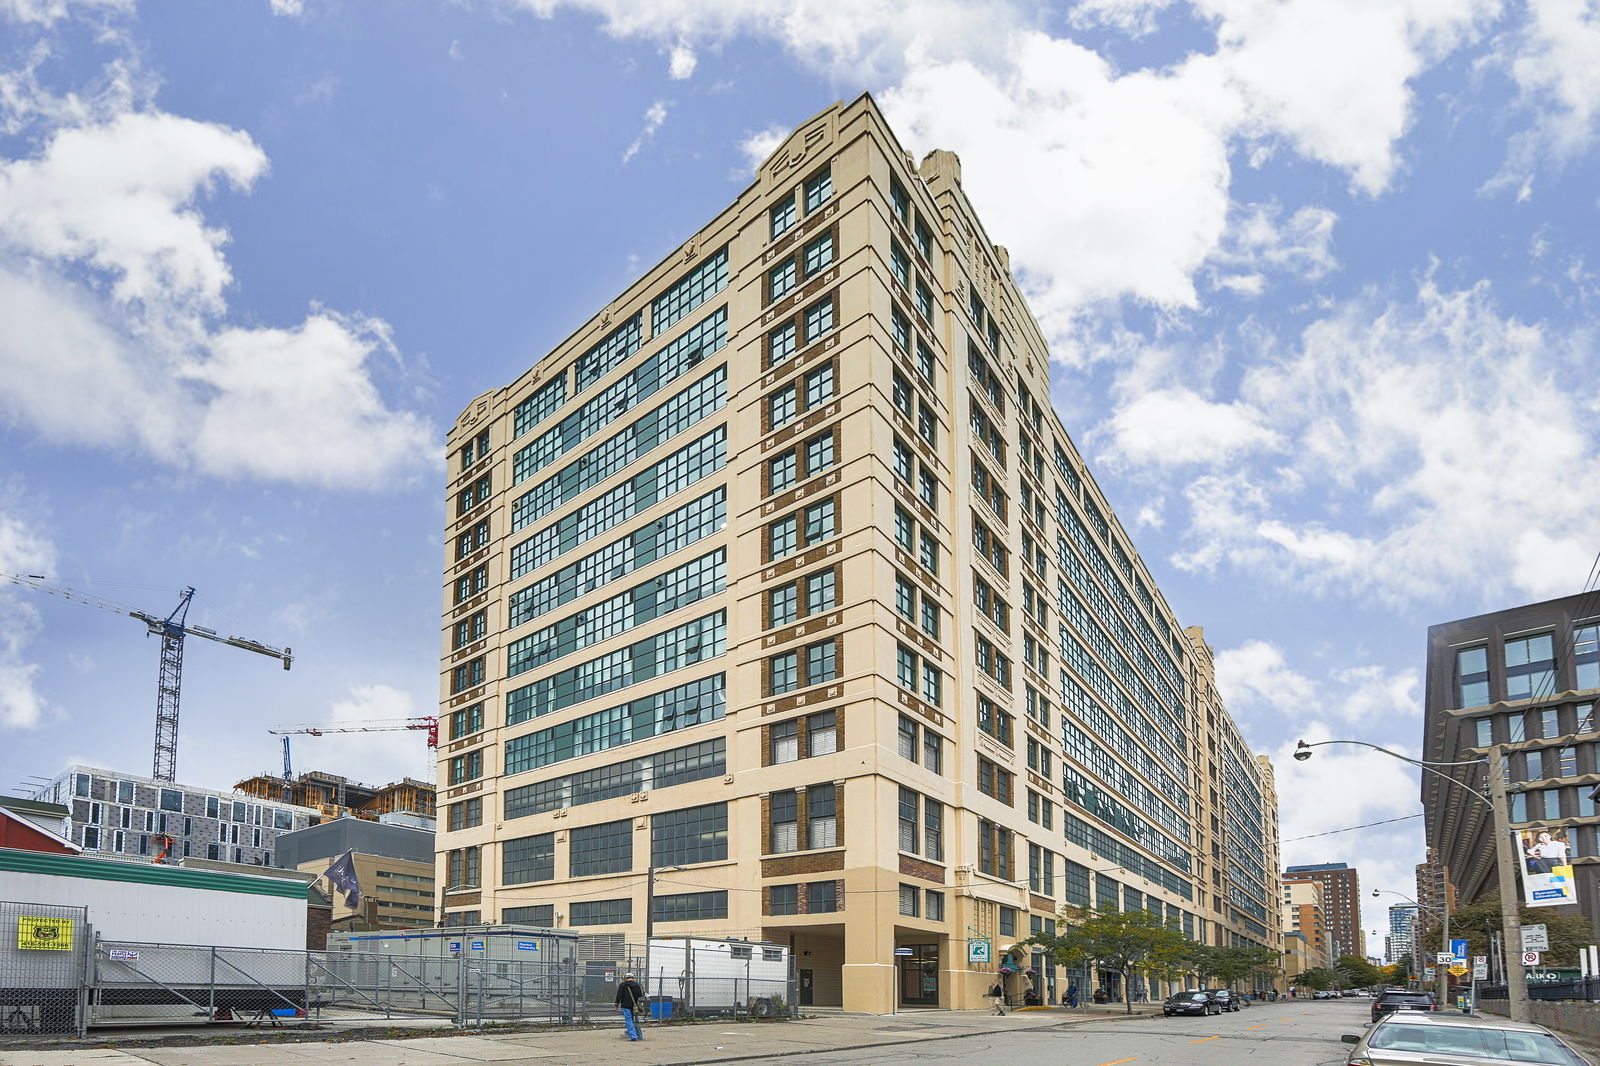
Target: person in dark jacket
x,y
629,996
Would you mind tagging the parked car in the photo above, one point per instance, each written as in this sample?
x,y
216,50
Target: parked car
x,y
1191,1002
1402,999
1404,1038
1227,997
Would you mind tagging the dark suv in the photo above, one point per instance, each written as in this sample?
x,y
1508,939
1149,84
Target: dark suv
x,y
1393,999
1227,997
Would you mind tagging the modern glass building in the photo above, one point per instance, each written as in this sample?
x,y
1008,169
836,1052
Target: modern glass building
x,y
778,600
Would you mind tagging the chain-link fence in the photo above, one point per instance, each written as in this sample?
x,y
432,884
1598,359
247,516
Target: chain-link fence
x,y
43,949
691,978
154,982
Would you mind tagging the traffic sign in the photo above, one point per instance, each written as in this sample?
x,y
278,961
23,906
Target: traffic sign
x,y
1480,969
1535,938
1459,970
1443,958
1530,958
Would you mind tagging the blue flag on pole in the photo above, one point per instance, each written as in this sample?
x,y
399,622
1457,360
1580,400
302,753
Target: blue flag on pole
x,y
343,876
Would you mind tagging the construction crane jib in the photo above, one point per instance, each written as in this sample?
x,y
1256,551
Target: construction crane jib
x,y
172,630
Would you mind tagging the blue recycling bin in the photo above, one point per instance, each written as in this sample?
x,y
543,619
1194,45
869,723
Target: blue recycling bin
x,y
661,1008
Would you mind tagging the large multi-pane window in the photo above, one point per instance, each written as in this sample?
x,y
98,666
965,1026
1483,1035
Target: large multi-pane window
x,y
921,743
1586,655
995,857
472,583
606,848
468,767
462,868
695,834
818,190
691,906
663,769
463,815
792,829
601,912
467,721
817,522
995,721
995,782
1530,667
528,859
802,738
783,215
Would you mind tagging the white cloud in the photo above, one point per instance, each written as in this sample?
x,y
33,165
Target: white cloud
x,y
114,302
375,758
1421,441
1176,426
759,146
288,7
23,550
1259,240
654,116
1555,62
1258,685
1256,674
681,62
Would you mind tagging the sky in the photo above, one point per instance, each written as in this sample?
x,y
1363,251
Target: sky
x,y
1319,279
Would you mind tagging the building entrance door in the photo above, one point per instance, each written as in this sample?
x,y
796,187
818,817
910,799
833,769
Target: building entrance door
x,y
805,988
919,975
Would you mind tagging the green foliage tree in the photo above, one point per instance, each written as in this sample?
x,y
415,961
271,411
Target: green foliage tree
x,y
1120,941
1317,978
1357,972
1569,930
1241,963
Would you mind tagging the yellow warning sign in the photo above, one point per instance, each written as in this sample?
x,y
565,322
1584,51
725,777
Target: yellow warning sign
x,y
1459,969
44,934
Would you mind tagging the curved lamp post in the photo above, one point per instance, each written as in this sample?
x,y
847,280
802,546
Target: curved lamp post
x,y
1505,859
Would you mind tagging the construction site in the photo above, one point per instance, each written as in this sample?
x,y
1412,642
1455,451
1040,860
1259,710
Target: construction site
x,y
333,796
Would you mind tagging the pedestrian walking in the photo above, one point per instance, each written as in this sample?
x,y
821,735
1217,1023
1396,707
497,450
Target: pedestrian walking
x,y
1072,995
629,996
998,994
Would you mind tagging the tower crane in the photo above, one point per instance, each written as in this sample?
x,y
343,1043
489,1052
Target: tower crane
x,y
172,630
376,725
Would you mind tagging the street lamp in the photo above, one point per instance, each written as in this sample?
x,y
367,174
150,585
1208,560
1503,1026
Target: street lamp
x,y
650,915
1443,915
1506,860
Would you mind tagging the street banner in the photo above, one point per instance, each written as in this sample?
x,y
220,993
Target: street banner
x,y
1547,879
1458,950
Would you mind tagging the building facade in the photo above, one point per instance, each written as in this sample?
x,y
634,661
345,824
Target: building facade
x,y
1341,905
1402,931
1526,680
779,602
1303,915
394,866
116,814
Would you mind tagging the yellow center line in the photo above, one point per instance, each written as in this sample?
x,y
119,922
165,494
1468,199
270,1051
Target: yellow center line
x,y
1255,1027
1283,1019
1114,1062
1202,1040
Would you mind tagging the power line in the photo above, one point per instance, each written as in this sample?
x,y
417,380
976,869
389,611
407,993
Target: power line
x,y
1353,828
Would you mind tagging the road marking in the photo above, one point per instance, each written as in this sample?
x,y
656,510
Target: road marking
x,y
1114,1062
1203,1039
1255,1027
1283,1019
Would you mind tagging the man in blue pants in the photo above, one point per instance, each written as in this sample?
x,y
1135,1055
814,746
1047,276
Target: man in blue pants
x,y
629,995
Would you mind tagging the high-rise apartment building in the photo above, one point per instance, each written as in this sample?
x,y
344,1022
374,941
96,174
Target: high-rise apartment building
x,y
778,600
1526,679
1341,905
1303,914
1402,931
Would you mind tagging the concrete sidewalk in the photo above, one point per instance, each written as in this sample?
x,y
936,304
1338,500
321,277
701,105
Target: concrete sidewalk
x,y
671,1044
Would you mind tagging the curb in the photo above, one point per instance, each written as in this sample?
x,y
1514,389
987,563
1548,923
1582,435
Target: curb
x,y
896,1043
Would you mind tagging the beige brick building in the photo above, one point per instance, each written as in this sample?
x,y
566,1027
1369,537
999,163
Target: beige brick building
x,y
781,579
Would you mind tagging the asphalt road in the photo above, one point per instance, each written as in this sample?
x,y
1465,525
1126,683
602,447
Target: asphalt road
x,y
1295,1033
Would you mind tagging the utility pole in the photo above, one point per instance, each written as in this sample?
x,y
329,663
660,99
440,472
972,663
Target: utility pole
x,y
1507,861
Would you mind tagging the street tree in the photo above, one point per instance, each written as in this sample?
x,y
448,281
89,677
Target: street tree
x,y
1119,941
1317,978
1357,972
1569,930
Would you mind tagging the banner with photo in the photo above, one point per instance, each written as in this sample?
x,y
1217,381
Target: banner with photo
x,y
1546,859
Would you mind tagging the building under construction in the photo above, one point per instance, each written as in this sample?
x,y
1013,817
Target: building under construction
x,y
334,796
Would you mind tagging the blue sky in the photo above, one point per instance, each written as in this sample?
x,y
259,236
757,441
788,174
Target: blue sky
x,y
1319,278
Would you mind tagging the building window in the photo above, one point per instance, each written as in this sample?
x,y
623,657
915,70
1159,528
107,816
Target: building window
x,y
783,537
468,767
784,822
822,897
784,742
1586,655
466,814
467,675
542,915
1530,667
528,859
819,318
822,662
821,813
462,868
819,190
782,472
694,834
783,672
910,816
934,906
995,722
171,800
784,899
819,254
783,604
606,848
819,386
782,343
1549,723
783,215
782,406
909,898
471,629
781,279
995,782
601,912
467,721
1008,921
819,453
691,906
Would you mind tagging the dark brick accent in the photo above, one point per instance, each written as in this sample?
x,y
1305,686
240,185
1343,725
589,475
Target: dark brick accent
x,y
927,871
801,865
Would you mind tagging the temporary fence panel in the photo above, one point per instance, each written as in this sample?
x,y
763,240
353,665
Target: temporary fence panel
x,y
43,948
141,982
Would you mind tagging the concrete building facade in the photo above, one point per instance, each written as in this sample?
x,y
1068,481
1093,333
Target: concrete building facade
x,y
1303,914
394,866
779,603
1401,938
1526,679
1341,905
122,815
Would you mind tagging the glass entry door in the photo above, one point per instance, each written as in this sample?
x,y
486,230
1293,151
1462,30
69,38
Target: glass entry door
x,y
919,975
